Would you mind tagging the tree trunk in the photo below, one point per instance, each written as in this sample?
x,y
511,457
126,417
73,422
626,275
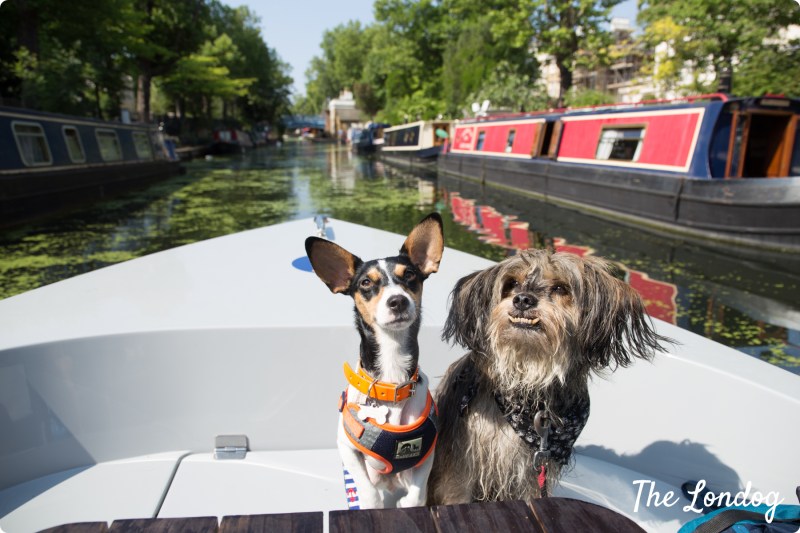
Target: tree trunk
x,y
28,28
28,37
98,107
147,86
144,90
724,75
565,76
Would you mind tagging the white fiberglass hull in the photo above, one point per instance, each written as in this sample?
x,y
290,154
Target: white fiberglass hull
x,y
114,384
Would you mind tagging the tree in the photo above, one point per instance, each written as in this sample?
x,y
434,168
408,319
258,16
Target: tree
x,y
720,32
267,97
564,27
202,77
484,40
172,29
468,63
773,68
344,51
55,64
509,90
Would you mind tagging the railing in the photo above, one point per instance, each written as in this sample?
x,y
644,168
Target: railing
x,y
602,107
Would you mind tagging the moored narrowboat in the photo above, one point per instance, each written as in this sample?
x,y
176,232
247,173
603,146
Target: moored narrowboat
x,y
369,139
418,142
50,162
696,166
229,141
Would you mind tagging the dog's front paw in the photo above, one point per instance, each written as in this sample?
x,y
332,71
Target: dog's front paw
x,y
370,499
415,497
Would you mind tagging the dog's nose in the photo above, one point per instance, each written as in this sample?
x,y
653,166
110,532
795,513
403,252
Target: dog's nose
x,y
524,301
397,303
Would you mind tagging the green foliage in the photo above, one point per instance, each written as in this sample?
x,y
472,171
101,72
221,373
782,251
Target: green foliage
x,y
416,106
564,27
509,90
717,34
770,69
588,97
344,50
202,54
47,81
423,58
467,64
203,76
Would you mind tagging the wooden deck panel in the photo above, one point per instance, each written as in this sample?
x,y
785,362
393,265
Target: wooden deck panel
x,y
548,515
294,522
410,520
486,517
202,524
562,514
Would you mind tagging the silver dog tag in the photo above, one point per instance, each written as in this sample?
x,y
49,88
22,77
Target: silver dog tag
x,y
376,412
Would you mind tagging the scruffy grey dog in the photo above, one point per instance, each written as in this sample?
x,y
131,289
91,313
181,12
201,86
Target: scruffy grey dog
x,y
536,325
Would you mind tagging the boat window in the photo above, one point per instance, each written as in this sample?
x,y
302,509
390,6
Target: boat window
x,y
767,145
552,139
74,146
141,141
107,140
620,144
510,140
32,144
481,137
794,169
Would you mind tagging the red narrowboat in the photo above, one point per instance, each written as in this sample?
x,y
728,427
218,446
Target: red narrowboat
x,y
695,166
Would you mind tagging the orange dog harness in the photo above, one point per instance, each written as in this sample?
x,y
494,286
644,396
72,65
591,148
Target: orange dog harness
x,y
398,447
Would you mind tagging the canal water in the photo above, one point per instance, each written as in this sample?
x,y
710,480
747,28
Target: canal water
x,y
749,302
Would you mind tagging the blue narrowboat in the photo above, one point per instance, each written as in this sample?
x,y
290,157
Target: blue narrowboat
x,y
368,140
416,143
711,168
49,162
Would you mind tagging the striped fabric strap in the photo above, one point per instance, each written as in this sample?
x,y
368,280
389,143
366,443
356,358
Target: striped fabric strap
x,y
351,491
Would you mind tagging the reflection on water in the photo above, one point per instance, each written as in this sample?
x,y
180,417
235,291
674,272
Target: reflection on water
x,y
750,304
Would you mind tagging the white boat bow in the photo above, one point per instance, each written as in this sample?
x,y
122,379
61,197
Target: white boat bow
x,y
114,385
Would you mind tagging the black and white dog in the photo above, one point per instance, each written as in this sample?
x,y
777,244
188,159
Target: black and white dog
x,y
388,423
536,326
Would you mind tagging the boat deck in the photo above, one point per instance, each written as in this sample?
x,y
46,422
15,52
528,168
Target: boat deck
x,y
163,488
551,515
114,385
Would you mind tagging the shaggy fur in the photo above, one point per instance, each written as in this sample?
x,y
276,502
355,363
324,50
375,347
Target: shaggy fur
x,y
536,325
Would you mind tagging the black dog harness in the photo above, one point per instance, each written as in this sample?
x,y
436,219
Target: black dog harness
x,y
561,439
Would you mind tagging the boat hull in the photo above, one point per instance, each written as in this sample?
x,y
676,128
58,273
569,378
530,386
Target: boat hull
x,y
114,384
761,213
49,161
26,195
424,157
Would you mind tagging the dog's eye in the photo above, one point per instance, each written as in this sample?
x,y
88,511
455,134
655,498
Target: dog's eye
x,y
510,285
409,275
366,283
559,289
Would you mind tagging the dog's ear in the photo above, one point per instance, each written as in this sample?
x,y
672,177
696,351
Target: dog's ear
x,y
616,326
425,244
471,304
333,264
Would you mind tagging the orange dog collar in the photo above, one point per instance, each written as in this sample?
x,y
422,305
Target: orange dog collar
x,y
380,390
